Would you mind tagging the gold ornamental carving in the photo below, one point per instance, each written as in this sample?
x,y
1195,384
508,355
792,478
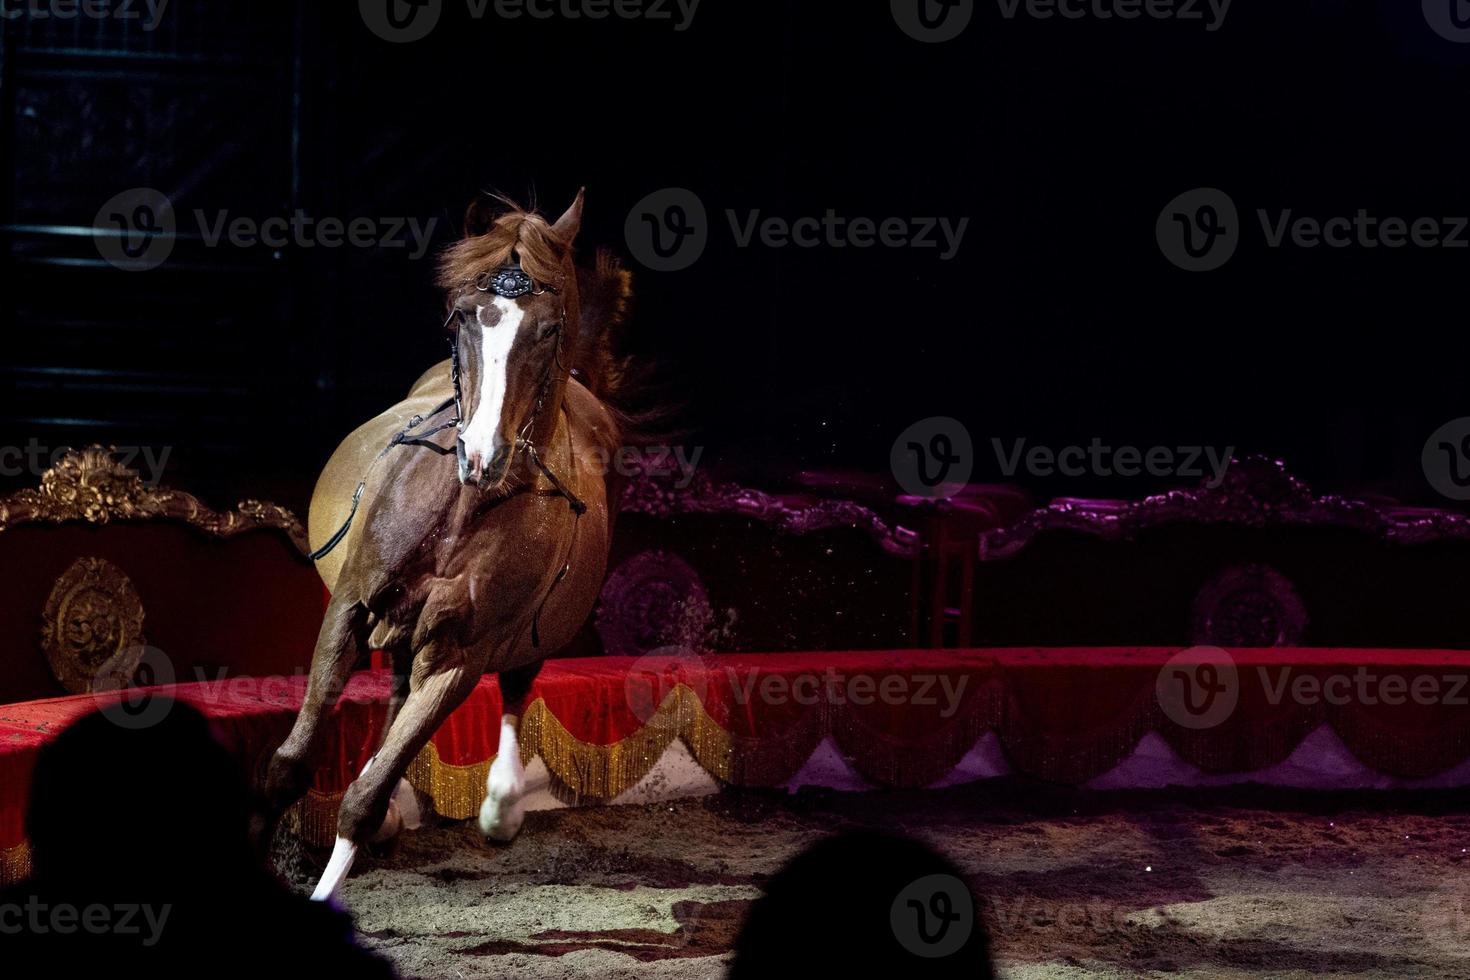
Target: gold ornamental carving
x,y
91,485
92,627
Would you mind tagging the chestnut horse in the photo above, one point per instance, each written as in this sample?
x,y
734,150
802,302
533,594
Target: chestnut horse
x,y
489,565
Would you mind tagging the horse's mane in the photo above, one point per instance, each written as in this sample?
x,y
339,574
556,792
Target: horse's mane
x,y
491,242
605,290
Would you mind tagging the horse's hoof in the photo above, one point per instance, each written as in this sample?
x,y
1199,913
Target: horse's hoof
x,y
501,816
392,824
403,813
505,787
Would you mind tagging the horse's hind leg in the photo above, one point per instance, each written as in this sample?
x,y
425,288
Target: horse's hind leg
x,y
505,788
338,647
365,804
403,807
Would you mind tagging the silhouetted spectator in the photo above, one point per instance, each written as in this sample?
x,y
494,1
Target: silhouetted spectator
x,y
142,860
863,903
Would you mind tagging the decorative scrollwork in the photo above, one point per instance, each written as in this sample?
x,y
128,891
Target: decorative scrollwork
x,y
648,494
654,600
92,627
1255,492
1249,606
91,485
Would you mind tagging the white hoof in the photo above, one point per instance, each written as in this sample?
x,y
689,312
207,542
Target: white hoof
x,y
343,853
500,819
503,810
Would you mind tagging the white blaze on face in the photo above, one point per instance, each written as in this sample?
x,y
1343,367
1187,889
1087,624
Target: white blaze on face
x,y
482,434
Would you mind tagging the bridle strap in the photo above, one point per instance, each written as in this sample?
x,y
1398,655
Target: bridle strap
x,y
573,501
399,439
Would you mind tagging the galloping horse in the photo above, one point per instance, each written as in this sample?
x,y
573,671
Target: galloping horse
x,y
485,562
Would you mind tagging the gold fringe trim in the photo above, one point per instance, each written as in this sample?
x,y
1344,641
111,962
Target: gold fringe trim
x,y
15,863
457,791
601,772
315,817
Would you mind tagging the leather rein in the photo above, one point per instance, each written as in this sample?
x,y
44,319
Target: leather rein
x,y
511,283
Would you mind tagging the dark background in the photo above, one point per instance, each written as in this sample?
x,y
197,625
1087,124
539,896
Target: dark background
x,y
1059,320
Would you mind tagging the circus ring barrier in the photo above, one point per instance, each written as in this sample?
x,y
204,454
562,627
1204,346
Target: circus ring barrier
x,y
638,730
655,720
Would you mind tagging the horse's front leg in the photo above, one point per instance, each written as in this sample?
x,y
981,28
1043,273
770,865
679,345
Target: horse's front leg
x,y
339,644
435,691
505,787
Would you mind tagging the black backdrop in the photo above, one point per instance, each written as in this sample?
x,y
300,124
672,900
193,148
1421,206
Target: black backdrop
x,y
1058,321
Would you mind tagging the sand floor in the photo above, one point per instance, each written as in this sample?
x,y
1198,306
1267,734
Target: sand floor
x,y
1212,884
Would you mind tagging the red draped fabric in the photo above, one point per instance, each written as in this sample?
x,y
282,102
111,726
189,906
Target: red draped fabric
x,y
902,718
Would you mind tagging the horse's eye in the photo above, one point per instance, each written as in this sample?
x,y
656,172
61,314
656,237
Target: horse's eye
x,y
547,330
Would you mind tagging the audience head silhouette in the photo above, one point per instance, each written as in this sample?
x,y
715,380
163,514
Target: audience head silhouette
x,y
866,903
142,860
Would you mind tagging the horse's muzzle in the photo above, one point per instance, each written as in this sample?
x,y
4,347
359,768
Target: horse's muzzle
x,y
476,473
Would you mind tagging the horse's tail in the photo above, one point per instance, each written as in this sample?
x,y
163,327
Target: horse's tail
x,y
621,382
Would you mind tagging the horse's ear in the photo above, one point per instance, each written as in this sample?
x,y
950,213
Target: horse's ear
x,y
569,224
478,216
